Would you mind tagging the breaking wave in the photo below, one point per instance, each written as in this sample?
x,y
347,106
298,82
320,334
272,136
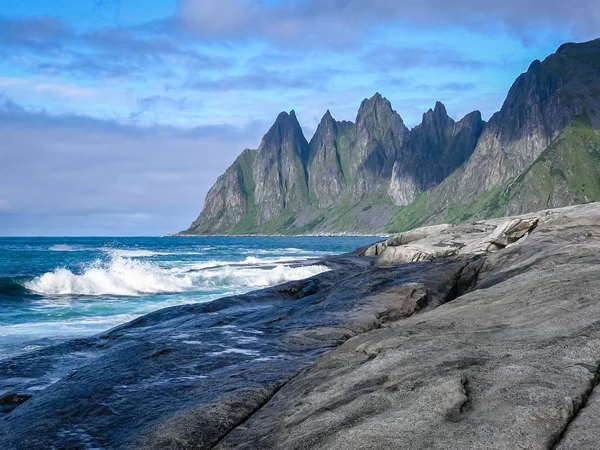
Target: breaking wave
x,y
124,276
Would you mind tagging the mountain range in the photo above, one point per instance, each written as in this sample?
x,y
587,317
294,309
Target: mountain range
x,y
375,175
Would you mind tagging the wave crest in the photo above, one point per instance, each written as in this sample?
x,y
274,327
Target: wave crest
x,y
121,276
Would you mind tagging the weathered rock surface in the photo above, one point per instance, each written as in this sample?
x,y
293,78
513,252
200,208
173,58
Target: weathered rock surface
x,y
496,350
508,365
441,241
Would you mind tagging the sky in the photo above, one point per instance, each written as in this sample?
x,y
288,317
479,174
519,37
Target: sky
x,y
116,116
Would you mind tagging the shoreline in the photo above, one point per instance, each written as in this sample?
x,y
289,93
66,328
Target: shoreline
x,y
442,353
284,235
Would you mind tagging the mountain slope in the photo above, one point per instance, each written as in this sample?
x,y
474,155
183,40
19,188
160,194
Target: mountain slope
x,y
230,202
539,105
551,96
566,173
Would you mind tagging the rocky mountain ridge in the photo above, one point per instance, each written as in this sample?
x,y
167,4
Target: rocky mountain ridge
x,y
376,175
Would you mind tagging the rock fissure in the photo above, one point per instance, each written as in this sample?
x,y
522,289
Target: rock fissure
x,y
467,392
254,411
579,405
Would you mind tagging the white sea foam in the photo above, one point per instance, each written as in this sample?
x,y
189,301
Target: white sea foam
x,y
249,261
237,351
123,276
253,260
258,277
134,253
288,250
63,248
141,253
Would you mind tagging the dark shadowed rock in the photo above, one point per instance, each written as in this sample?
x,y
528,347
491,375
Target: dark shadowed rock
x,y
325,172
434,149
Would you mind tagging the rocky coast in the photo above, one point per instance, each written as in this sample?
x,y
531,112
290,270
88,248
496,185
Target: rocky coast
x,y
482,335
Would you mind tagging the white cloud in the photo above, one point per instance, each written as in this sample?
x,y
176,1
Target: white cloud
x,y
65,90
57,87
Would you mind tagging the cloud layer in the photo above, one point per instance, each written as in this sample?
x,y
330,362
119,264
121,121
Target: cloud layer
x,y
77,175
338,22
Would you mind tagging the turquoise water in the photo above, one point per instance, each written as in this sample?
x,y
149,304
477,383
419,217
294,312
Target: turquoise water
x,y
54,289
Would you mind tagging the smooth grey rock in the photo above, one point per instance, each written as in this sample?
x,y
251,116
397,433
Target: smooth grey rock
x,y
405,238
411,253
442,241
416,235
508,365
506,234
582,433
184,377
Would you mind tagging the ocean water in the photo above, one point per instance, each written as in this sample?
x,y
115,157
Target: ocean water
x,y
55,289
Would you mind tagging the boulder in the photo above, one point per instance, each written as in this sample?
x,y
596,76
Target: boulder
x,y
416,235
415,253
507,233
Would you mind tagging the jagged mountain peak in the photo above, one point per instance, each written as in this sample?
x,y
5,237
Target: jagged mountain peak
x,y
437,116
326,128
376,118
473,115
440,108
376,102
327,120
285,128
285,117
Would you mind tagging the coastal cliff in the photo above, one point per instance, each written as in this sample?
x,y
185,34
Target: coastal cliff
x,y
375,175
481,335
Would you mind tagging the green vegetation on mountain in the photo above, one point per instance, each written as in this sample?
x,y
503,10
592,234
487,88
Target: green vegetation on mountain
x,y
567,172
244,164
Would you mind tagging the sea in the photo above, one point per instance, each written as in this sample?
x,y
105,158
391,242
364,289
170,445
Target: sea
x,y
53,289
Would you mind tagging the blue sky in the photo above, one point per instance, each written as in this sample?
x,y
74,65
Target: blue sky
x,y
117,116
